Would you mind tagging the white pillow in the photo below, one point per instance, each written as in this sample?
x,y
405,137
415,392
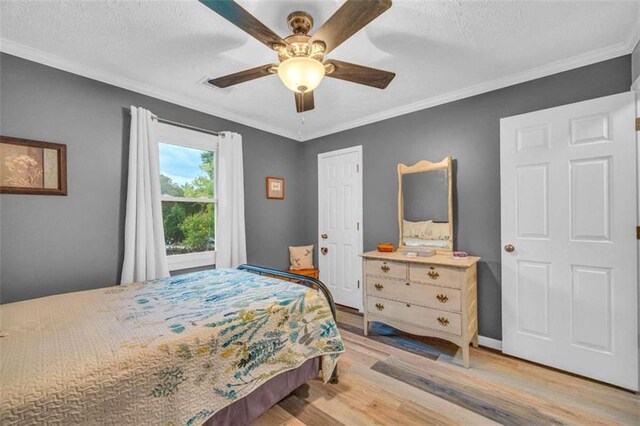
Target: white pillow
x,y
437,231
426,230
413,229
301,257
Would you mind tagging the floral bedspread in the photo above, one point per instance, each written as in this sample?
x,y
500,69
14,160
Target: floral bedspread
x,y
170,351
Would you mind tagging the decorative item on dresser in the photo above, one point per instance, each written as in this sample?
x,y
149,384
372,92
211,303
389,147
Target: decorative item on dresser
x,y
385,247
423,288
432,296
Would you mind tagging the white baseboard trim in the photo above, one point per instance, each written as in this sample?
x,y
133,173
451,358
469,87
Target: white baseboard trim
x,y
490,343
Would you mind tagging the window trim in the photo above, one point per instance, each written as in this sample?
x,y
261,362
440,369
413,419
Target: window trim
x,y
178,262
180,136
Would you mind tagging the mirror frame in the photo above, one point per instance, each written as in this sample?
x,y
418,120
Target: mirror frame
x,y
426,166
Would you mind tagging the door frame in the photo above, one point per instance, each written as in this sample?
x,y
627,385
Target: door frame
x,y
636,89
357,265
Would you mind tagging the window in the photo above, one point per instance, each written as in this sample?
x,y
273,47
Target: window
x,y
187,187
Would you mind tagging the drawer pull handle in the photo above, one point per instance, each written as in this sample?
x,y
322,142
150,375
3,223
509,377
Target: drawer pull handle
x,y
407,283
379,306
408,305
442,298
433,275
379,286
385,268
443,321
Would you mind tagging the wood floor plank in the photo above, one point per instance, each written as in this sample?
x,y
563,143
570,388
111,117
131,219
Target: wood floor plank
x,y
575,393
386,387
413,388
325,399
277,416
349,318
557,390
417,411
365,356
504,412
468,381
421,346
306,412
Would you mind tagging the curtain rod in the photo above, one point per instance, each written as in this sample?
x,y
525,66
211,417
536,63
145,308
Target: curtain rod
x,y
184,126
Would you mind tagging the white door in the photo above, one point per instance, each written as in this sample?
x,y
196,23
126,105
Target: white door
x,y
340,224
569,200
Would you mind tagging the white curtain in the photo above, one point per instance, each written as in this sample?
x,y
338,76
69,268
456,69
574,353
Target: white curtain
x,y
231,242
144,250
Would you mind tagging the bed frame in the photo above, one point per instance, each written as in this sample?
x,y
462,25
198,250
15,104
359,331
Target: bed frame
x,y
312,283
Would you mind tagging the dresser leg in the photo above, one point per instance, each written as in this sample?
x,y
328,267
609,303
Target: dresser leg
x,y
474,341
465,355
366,328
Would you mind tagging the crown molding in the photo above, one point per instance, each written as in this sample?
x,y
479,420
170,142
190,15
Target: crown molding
x,y
634,40
598,55
634,37
567,64
54,61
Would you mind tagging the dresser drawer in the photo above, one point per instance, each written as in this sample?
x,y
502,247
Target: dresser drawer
x,y
386,269
420,316
438,275
420,294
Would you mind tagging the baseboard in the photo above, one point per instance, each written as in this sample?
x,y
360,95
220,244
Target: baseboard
x,y
490,343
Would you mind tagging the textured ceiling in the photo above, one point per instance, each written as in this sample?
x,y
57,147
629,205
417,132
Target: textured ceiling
x,y
440,51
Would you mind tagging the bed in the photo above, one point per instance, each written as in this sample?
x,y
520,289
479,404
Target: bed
x,y
213,347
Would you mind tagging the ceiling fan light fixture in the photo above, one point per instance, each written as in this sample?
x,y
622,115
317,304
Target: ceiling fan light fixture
x,y
301,74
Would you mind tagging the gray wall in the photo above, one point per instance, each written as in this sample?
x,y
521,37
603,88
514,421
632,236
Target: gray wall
x,y
635,63
469,130
56,244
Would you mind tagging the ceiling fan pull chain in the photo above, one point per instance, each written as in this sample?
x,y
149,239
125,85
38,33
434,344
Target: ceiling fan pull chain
x,y
300,128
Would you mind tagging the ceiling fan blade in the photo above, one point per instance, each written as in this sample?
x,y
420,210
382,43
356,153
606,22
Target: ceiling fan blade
x,y
352,16
304,101
359,74
242,76
234,13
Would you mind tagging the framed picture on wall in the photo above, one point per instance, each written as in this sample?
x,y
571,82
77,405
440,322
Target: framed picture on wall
x,y
275,188
32,167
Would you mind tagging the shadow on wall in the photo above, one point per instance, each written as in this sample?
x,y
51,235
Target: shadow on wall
x,y
454,194
126,126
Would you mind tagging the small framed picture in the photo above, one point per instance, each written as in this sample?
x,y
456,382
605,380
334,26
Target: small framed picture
x,y
32,167
275,188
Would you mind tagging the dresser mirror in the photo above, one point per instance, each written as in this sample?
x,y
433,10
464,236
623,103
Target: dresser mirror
x,y
425,208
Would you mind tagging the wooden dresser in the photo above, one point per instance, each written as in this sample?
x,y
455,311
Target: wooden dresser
x,y
427,296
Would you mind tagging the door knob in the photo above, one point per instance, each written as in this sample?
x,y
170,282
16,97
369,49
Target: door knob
x,y
324,236
324,250
509,248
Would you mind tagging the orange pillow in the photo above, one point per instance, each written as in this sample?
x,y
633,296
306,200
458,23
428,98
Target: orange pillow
x,y
301,257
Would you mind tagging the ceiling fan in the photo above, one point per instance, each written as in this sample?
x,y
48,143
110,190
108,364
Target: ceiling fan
x,y
301,56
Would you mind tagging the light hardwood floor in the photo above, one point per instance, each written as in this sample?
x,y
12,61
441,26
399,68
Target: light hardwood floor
x,y
383,384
